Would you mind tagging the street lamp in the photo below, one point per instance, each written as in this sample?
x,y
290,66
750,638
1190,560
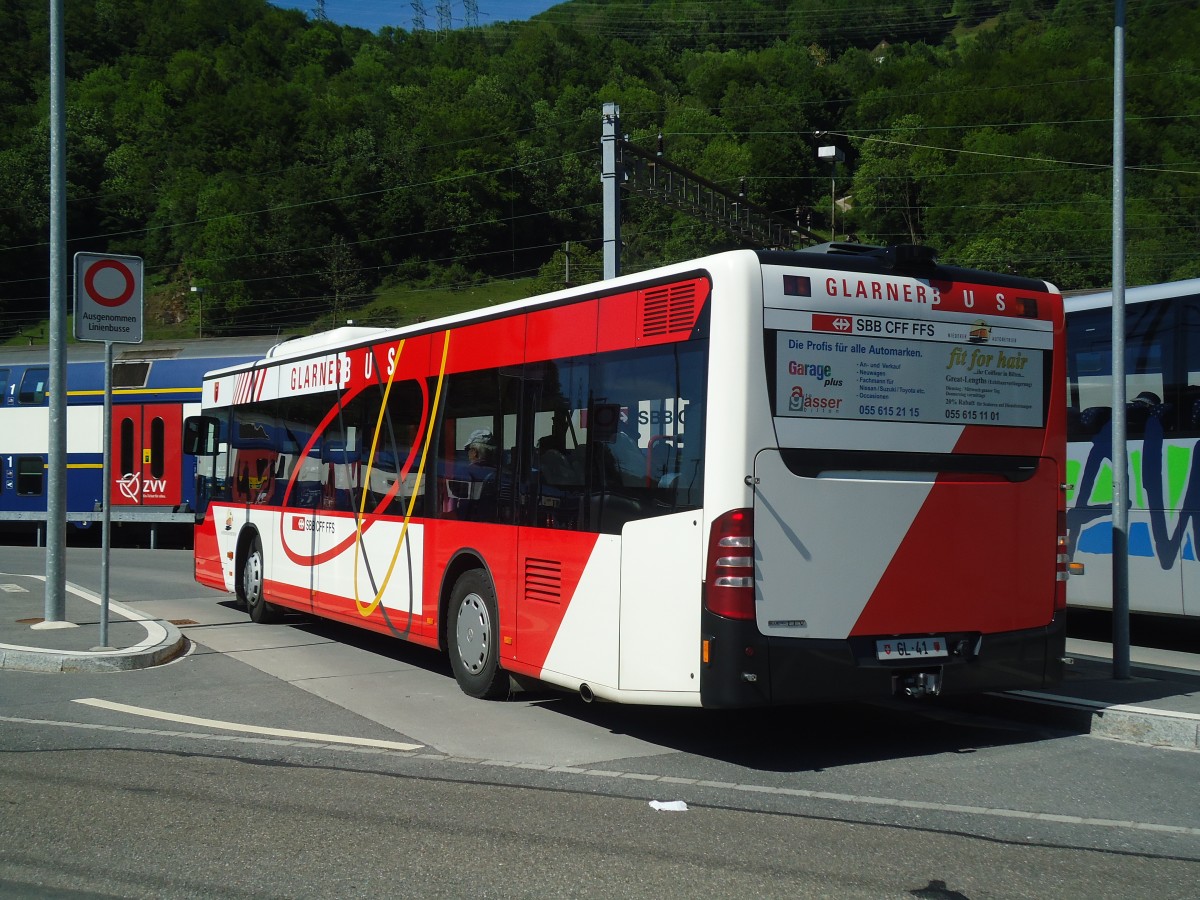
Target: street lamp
x,y
834,155
199,292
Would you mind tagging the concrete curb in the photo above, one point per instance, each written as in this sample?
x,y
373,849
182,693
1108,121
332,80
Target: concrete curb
x,y
1123,722
163,642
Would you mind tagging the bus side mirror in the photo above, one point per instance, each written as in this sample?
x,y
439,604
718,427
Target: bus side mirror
x,y
199,435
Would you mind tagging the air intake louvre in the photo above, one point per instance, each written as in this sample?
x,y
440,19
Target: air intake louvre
x,y
543,580
670,309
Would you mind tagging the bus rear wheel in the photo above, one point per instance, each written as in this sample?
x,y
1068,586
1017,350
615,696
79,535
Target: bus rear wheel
x,y
474,637
250,585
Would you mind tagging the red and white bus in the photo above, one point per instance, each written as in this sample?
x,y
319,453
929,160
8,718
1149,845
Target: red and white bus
x,y
753,478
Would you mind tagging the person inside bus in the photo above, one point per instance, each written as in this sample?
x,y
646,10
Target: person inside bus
x,y
627,454
479,477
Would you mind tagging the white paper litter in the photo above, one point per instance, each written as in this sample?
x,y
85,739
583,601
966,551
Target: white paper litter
x,y
669,805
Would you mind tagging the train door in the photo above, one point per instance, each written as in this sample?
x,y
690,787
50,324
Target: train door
x,y
146,455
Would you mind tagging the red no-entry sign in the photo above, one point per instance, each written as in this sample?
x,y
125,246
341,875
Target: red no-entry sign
x,y
108,298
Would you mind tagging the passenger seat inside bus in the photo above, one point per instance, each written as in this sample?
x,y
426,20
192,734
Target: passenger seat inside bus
x,y
558,466
1145,406
1094,418
1141,409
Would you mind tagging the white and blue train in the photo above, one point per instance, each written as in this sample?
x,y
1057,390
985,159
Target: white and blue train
x,y
155,385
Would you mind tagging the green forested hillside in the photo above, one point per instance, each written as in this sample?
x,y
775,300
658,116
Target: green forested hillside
x,y
297,169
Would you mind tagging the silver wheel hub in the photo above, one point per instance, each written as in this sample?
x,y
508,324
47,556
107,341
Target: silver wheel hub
x,y
252,578
473,633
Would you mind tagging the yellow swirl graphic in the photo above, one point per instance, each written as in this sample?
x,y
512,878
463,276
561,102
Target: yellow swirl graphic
x,y
365,610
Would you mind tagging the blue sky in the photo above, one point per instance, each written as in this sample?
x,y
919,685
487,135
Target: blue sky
x,y
374,14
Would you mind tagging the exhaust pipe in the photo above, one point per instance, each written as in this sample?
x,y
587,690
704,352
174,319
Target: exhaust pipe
x,y
920,684
585,693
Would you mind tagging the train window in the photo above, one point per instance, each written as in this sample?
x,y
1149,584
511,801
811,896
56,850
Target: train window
x,y
157,447
31,476
126,447
130,374
34,384
4,380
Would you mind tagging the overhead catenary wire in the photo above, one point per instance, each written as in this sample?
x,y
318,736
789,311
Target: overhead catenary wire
x,y
649,116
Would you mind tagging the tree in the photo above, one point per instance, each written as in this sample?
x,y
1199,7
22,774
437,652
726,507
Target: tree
x,y
342,278
891,180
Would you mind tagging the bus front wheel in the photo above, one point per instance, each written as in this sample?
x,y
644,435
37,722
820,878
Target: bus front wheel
x,y
473,637
250,586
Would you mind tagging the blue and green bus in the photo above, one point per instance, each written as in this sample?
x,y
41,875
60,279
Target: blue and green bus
x,y
1162,364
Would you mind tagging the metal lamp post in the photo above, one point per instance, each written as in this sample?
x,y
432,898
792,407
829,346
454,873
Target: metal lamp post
x,y
834,155
199,292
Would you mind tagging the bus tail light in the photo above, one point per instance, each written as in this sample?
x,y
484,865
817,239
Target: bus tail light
x,y
1062,563
730,572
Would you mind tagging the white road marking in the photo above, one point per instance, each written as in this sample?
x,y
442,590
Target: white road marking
x,y
246,729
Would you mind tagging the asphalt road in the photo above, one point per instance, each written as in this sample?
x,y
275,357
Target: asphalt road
x,y
223,822
306,759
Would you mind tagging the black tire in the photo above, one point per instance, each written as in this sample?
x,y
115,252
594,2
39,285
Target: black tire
x,y
473,637
250,586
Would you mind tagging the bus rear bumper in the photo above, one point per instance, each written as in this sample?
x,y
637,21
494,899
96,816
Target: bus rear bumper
x,y
745,668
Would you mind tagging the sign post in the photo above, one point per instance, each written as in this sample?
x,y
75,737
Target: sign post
x,y
108,308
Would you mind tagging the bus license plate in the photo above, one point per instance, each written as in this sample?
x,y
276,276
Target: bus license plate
x,y
910,648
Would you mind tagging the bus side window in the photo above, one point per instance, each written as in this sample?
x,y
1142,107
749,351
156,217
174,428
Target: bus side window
x,y
306,489
554,486
241,480
253,476
341,475
283,465
1150,337
647,439
475,474
1189,399
395,449
204,439
1151,383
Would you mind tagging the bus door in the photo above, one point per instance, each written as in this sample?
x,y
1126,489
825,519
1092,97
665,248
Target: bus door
x,y
337,550
146,452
